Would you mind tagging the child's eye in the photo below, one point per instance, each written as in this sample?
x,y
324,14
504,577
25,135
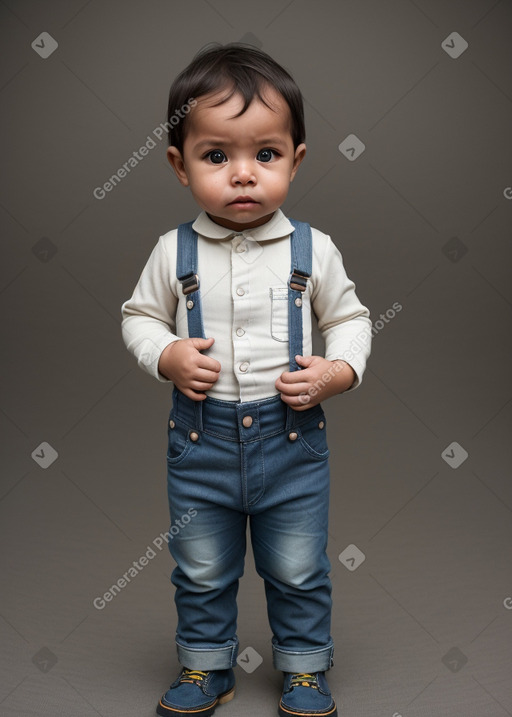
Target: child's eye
x,y
216,156
265,155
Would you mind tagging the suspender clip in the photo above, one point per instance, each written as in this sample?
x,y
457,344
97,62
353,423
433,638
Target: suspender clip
x,y
190,283
299,280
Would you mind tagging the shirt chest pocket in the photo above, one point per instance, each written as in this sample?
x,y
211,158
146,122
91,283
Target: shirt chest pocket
x,y
279,313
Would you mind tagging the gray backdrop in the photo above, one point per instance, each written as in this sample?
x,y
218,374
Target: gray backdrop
x,y
420,454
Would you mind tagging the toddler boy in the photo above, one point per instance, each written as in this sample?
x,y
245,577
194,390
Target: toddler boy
x,y
223,310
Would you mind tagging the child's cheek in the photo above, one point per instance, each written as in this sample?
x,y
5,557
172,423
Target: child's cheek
x,y
279,190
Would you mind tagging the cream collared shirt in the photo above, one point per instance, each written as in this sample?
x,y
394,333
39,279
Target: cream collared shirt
x,y
244,290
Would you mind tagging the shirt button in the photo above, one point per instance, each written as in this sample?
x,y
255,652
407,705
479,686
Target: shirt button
x,y
247,421
240,332
293,436
241,248
244,366
240,291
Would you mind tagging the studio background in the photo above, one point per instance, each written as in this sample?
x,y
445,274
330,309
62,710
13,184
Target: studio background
x,y
420,453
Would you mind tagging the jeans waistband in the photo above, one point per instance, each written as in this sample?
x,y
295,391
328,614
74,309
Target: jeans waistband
x,y
235,420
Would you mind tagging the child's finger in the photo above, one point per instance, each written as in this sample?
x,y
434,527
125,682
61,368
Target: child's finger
x,y
206,376
292,377
192,394
292,389
201,344
208,363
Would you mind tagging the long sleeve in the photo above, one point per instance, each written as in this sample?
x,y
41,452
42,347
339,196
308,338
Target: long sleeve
x,y
244,277
149,316
343,321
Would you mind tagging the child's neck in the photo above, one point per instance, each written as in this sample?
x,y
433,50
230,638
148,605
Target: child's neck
x,y
240,227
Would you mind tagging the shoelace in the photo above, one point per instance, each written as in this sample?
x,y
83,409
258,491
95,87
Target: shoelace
x,y
194,677
304,679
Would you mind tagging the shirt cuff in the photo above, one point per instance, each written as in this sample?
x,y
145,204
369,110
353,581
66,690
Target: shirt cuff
x,y
148,355
357,367
356,355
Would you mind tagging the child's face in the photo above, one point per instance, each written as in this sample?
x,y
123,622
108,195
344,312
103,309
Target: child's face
x,y
226,158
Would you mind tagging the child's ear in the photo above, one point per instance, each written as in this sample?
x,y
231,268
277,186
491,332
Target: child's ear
x,y
300,153
177,163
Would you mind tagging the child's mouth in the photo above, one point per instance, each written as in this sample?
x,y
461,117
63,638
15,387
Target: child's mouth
x,y
243,200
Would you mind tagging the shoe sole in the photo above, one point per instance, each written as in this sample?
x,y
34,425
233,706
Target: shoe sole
x,y
283,712
165,711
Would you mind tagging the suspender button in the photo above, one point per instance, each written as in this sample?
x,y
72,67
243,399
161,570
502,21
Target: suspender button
x,y
298,302
190,304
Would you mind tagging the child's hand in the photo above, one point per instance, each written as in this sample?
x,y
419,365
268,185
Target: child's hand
x,y
190,370
317,380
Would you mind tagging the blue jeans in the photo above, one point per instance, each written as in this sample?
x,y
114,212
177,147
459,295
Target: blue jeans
x,y
226,461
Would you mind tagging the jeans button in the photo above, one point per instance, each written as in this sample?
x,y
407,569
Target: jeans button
x,y
321,424
194,436
293,436
247,421
172,424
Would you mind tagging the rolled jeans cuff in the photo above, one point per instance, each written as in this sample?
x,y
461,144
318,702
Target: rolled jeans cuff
x,y
208,658
295,660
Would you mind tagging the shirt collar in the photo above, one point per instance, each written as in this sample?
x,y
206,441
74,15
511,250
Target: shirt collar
x,y
277,227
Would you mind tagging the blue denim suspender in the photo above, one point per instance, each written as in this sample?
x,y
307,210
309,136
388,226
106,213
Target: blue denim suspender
x,y
301,267
186,272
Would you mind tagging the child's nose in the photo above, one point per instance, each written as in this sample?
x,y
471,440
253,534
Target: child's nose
x,y
243,173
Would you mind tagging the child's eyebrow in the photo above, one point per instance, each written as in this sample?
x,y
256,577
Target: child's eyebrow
x,y
271,140
209,143
216,142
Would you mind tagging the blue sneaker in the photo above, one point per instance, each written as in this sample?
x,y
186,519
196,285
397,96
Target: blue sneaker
x,y
306,695
197,693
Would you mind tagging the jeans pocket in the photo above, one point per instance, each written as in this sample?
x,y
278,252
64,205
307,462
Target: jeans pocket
x,y
179,442
279,313
313,437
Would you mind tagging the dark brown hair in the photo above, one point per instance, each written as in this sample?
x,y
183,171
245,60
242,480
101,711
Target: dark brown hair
x,y
239,68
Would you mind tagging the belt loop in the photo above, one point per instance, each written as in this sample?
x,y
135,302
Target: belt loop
x,y
198,414
291,417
